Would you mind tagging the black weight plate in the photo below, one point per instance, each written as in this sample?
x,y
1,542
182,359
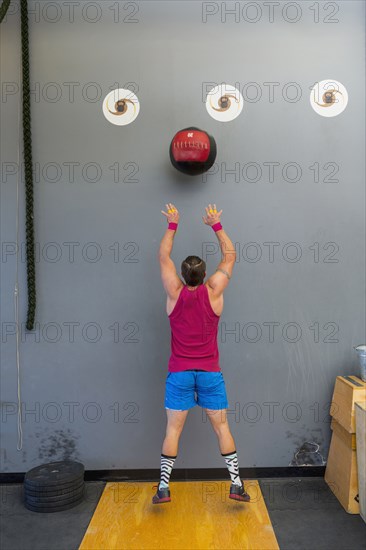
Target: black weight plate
x,y
46,509
63,499
53,492
53,504
54,473
54,487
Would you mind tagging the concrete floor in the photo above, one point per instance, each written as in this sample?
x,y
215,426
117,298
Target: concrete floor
x,y
304,514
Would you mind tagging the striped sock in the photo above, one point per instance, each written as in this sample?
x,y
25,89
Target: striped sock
x,y
231,460
166,466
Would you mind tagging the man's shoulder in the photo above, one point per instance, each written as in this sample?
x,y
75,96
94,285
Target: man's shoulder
x,y
211,290
177,292
207,285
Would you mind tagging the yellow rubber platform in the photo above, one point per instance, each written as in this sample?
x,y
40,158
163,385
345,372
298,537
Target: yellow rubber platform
x,y
200,516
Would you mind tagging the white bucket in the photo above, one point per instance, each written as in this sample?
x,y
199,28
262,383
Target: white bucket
x,y
361,352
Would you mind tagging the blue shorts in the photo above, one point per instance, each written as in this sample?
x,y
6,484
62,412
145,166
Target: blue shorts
x,y
180,389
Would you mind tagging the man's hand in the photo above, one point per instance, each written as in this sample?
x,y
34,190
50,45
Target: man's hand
x,y
212,215
171,214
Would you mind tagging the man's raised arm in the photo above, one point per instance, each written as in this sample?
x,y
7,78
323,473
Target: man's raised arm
x,y
170,279
220,279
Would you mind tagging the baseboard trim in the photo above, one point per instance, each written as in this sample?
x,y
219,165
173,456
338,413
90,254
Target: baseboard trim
x,y
185,474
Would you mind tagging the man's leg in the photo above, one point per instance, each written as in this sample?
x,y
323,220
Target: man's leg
x,y
174,427
175,423
219,422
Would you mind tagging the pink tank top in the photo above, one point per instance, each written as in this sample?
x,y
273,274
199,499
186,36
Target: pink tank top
x,y
194,327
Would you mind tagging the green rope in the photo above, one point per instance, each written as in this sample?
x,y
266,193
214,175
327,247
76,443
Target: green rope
x,y
27,142
3,9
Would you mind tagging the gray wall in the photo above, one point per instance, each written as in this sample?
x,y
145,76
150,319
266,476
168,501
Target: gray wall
x,y
167,56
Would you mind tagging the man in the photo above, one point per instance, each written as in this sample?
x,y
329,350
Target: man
x,y
194,311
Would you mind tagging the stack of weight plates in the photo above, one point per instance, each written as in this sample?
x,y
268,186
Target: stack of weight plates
x,y
54,486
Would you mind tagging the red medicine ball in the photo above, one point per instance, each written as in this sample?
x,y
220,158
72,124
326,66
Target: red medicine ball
x,y
192,151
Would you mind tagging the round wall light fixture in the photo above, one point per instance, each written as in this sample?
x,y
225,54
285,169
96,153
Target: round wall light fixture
x,y
224,102
121,107
328,98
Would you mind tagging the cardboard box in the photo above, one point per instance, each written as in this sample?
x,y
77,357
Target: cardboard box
x,y
347,390
348,438
360,410
341,469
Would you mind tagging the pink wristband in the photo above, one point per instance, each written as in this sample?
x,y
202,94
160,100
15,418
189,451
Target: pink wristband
x,y
173,225
217,226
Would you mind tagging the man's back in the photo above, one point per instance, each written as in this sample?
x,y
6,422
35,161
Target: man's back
x,y
194,326
216,299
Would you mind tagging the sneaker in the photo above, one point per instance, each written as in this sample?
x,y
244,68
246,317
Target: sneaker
x,y
162,495
238,493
